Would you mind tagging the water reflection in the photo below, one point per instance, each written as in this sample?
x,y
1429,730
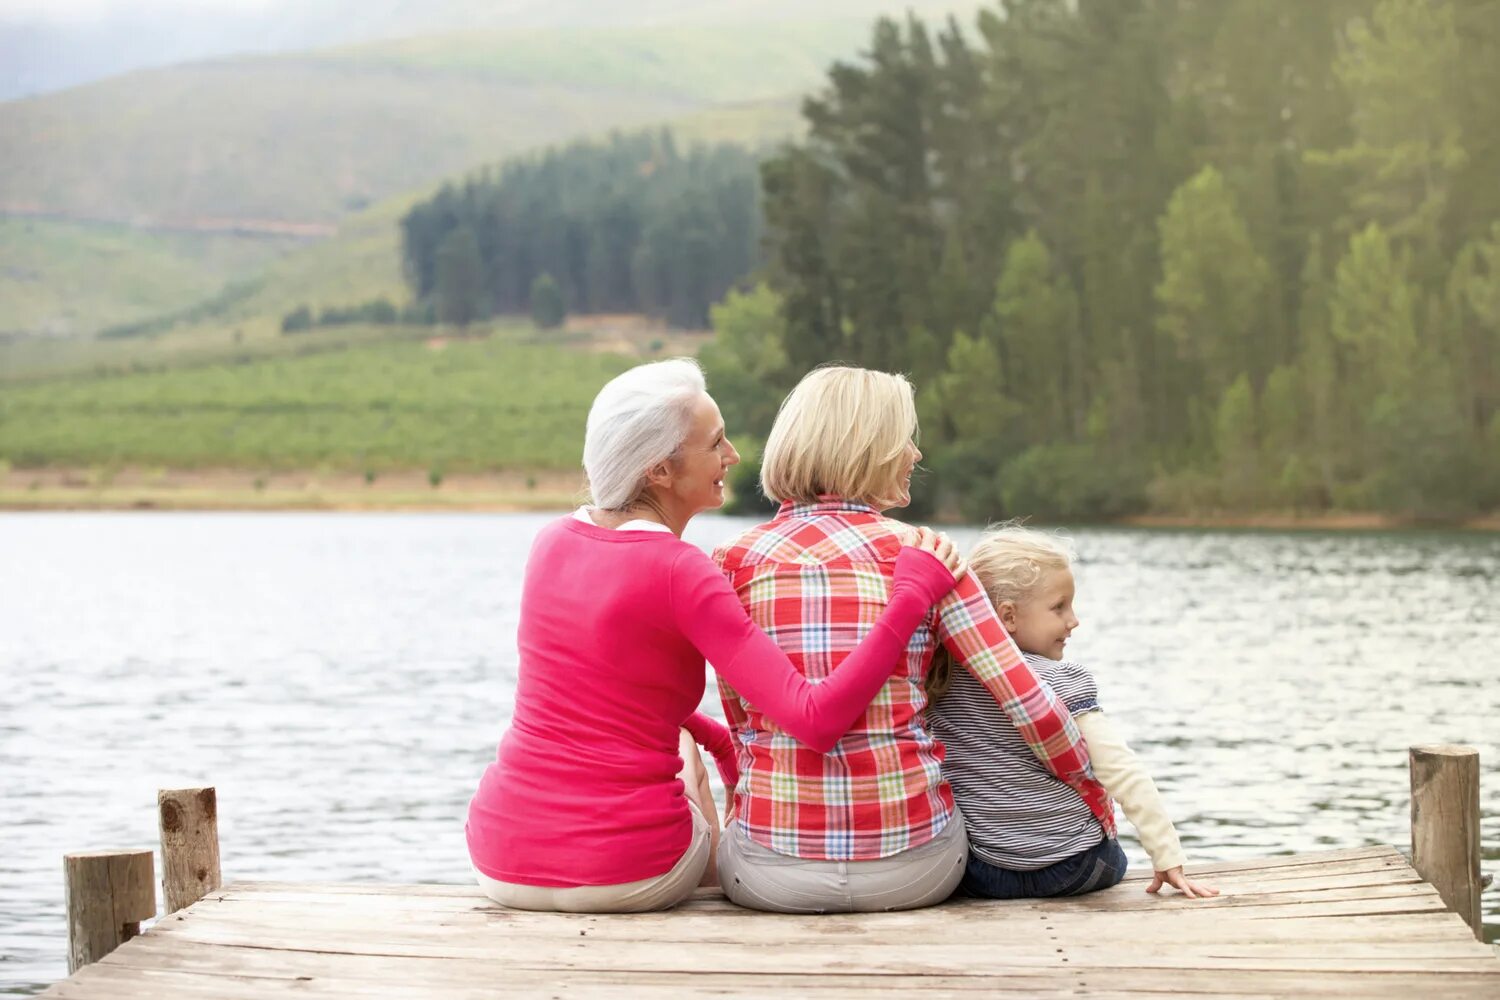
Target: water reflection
x,y
342,679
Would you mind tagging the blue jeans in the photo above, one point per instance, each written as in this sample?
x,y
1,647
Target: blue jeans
x,y
1099,867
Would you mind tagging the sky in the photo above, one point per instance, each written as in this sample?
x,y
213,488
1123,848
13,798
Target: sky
x,y
88,10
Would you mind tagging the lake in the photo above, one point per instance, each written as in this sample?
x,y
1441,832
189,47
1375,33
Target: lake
x,y
342,680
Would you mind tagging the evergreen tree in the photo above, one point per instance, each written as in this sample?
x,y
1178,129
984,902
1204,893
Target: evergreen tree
x,y
1152,189
1474,306
1213,283
1236,441
972,398
630,225
1290,474
458,289
1401,71
746,362
547,308
1035,325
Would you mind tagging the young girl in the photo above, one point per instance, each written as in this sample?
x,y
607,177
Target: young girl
x,y
1029,834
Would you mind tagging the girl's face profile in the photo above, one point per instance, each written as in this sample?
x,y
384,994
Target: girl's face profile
x,y
1042,622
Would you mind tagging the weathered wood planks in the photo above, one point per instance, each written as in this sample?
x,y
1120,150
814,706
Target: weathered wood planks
x,y
1357,923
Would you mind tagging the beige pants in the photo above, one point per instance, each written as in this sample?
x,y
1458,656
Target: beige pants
x,y
758,877
660,892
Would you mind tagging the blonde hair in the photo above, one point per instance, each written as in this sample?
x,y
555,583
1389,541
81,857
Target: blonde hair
x,y
1009,561
639,418
841,431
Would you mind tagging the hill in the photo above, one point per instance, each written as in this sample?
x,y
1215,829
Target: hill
x,y
269,153
46,46
309,138
52,284
61,277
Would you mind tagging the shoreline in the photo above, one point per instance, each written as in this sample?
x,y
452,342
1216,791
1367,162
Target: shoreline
x,y
512,491
61,489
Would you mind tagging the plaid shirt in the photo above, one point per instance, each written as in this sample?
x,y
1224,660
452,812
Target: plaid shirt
x,y
815,578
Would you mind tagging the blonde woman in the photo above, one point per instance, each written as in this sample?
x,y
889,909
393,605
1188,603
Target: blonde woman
x,y
869,824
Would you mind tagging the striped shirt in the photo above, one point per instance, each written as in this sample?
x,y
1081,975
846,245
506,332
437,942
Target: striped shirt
x,y
1018,814
814,579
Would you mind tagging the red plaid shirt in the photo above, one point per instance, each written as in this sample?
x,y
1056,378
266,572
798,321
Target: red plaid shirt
x,y
815,579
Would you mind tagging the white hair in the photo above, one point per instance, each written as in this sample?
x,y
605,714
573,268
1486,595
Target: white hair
x,y
639,418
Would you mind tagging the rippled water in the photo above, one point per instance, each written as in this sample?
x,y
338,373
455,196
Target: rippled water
x,y
342,680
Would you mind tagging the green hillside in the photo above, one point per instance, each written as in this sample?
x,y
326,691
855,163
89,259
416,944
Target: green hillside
x,y
508,401
312,137
288,140
360,262
327,140
61,278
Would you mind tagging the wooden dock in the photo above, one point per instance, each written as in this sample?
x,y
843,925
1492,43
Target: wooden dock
x,y
1352,923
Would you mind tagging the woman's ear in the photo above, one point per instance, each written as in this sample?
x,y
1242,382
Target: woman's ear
x,y
1007,612
660,475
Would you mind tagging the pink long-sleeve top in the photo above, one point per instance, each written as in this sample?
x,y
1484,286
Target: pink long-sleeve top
x,y
615,627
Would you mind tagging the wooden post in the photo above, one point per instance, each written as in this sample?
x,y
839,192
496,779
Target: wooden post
x,y
109,893
1445,826
189,845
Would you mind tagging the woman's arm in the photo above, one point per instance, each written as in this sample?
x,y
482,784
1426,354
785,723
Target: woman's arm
x,y
1121,773
711,616
970,629
714,737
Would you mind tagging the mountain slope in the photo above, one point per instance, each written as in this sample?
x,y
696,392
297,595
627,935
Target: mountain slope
x,y
46,47
308,138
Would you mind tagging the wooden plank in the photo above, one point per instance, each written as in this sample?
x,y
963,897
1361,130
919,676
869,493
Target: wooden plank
x,y
978,922
188,819
1445,823
533,944
1124,895
1382,853
1133,893
1233,926
1452,956
263,963
1341,924
823,955
1290,861
110,980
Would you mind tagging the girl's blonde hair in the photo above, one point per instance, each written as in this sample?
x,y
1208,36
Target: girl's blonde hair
x,y
1009,562
841,431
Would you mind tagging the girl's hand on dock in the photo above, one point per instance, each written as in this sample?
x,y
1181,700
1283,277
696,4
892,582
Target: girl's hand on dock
x,y
1175,878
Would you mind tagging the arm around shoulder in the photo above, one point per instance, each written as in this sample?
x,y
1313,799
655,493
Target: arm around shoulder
x,y
711,617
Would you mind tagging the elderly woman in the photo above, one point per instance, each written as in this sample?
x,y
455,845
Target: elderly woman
x,y
870,824
583,809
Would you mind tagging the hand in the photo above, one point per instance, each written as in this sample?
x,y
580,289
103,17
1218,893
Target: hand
x,y
1174,877
941,546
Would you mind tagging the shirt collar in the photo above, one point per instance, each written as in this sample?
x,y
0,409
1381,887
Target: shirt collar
x,y
639,524
826,504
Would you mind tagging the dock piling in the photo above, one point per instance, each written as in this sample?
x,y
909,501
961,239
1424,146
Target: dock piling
x,y
1445,826
189,820
109,893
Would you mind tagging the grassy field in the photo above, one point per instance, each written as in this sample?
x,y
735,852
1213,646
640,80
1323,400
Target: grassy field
x,y
514,399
